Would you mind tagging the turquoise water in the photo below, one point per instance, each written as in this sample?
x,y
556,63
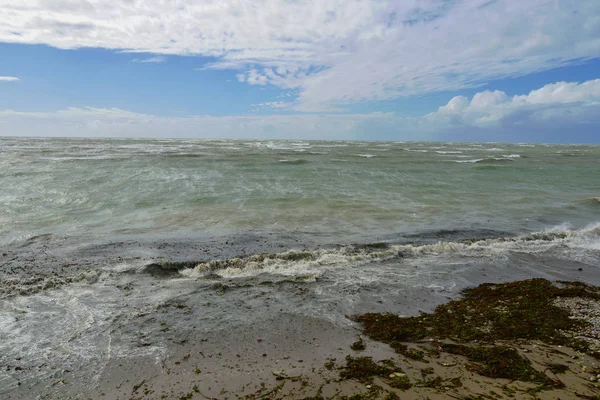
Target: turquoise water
x,y
106,189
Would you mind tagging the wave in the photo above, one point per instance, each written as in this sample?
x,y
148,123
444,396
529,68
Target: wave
x,y
332,145
484,160
310,265
511,155
20,286
417,150
184,155
294,161
594,201
280,145
86,157
305,266
366,155
448,152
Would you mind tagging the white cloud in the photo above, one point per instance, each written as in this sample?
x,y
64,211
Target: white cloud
x,y
334,52
8,79
549,102
562,111
272,105
155,59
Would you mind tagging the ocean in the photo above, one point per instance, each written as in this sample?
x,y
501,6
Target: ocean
x,y
105,242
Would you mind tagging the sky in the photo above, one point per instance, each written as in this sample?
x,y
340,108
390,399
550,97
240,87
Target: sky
x,y
449,70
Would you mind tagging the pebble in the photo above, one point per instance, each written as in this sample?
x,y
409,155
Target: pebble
x,y
585,309
452,364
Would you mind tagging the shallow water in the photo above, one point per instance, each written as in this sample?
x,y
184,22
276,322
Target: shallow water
x,y
254,230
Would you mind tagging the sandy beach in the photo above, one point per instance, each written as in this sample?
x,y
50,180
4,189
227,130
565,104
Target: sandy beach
x,y
300,357
303,358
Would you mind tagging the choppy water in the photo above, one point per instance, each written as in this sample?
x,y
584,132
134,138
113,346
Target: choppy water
x,y
102,189
257,228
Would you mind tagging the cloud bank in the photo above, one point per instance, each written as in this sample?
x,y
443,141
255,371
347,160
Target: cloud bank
x,y
558,112
95,122
332,52
488,108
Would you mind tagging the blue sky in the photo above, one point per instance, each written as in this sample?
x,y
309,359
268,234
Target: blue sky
x,y
503,70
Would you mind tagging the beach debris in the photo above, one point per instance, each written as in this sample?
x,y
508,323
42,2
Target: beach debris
x,y
492,326
364,368
280,375
359,345
136,387
491,312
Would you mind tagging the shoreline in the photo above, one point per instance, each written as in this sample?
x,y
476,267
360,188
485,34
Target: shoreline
x,y
301,367
124,325
296,357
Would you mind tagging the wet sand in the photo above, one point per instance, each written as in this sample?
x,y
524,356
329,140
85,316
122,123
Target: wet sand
x,y
296,358
231,340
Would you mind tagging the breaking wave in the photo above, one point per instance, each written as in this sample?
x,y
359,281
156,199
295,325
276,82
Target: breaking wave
x,y
309,265
20,286
561,242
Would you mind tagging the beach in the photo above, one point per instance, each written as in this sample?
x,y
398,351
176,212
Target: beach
x,y
225,269
227,339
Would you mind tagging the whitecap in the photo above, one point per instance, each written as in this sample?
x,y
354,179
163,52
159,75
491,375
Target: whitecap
x,y
310,265
489,159
293,161
469,161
